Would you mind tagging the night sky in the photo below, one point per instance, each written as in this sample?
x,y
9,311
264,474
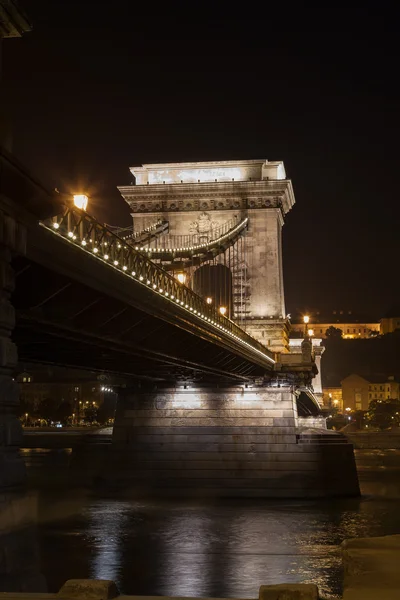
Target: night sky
x,y
96,88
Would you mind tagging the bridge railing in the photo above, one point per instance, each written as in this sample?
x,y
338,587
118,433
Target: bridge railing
x,y
193,240
228,236
90,236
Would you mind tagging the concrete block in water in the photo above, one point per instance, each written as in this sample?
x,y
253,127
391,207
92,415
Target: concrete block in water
x,y
89,589
289,591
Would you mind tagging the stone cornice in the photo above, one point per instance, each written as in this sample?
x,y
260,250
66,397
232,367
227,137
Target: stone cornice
x,y
210,196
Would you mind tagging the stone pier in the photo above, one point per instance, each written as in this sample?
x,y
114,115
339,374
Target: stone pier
x,y
232,442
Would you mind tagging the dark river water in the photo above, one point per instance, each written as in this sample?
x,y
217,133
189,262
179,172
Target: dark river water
x,y
225,549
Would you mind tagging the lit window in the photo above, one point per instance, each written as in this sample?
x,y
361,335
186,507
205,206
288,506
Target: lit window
x,y
76,389
24,380
29,379
93,389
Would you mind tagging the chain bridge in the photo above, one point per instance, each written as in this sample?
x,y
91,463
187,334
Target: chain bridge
x,y
188,304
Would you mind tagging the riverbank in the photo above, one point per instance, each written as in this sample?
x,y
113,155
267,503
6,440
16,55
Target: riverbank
x,y
374,440
68,437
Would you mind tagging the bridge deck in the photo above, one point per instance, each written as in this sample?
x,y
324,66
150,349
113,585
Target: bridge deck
x,y
115,309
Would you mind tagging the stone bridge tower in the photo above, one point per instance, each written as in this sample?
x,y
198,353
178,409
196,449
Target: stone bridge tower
x,y
186,193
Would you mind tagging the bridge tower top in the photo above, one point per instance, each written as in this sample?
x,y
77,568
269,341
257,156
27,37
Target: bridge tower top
x,y
198,197
210,171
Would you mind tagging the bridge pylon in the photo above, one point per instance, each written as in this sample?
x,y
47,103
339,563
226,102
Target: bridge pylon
x,y
198,198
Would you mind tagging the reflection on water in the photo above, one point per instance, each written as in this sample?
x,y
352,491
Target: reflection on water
x,y
203,549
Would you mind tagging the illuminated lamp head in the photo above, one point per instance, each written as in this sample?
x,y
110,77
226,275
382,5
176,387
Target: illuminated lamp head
x,y
81,201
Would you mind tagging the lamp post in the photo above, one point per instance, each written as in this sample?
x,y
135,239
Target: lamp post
x,y
306,320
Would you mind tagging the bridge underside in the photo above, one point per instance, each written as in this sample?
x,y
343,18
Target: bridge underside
x,y
69,321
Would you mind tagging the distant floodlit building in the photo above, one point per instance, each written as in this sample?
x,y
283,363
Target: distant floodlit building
x,y
384,390
333,398
389,325
351,325
358,392
355,393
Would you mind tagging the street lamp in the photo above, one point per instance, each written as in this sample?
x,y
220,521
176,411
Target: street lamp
x,y
222,310
209,300
306,320
81,201
181,277
310,332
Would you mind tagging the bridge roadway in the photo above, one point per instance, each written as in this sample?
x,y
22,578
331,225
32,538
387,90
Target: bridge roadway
x,y
84,298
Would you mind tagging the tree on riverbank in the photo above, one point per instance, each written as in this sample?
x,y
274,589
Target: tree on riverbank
x,y
333,333
384,413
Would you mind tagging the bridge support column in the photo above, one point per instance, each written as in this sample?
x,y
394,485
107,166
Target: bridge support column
x,y
19,571
317,382
12,471
233,442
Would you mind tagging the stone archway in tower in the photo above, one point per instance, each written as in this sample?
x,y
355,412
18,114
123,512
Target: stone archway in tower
x,y
215,282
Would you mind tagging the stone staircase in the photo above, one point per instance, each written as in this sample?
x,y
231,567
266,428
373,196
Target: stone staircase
x,y
319,438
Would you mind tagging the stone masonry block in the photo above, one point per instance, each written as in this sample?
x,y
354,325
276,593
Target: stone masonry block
x,y
7,278
378,557
9,391
8,353
289,591
89,589
7,314
12,234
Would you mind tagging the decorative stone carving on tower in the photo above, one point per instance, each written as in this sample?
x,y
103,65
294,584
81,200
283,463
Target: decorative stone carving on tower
x,y
203,226
204,195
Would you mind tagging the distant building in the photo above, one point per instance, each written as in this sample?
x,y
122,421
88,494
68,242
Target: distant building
x,y
358,392
81,389
355,392
333,398
389,325
384,390
352,326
